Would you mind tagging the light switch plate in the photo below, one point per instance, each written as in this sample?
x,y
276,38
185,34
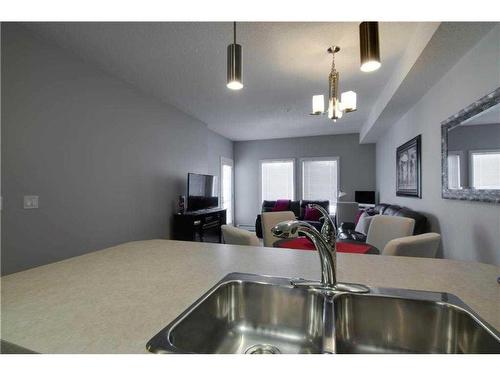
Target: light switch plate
x,y
30,202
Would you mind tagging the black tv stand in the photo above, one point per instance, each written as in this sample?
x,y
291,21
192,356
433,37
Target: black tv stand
x,y
200,225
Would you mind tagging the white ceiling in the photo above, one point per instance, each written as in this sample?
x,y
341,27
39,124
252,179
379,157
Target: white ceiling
x,y
284,64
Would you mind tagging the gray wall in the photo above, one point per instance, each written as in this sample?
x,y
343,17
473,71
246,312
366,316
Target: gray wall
x,y
463,139
0,138
470,230
357,166
107,161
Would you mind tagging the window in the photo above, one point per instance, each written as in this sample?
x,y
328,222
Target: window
x,y
320,179
277,179
485,169
227,188
453,171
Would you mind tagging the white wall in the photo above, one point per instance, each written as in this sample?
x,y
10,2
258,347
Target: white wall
x,y
470,230
357,166
107,161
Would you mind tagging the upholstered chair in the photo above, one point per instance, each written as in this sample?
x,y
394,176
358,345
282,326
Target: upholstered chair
x,y
269,220
423,245
386,228
237,236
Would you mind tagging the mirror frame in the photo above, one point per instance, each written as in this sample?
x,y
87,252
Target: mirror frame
x,y
481,105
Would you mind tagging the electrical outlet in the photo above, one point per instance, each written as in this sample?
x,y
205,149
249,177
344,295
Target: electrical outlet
x,y
30,202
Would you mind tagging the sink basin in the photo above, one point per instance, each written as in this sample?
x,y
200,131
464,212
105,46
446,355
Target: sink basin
x,y
409,324
248,314
255,314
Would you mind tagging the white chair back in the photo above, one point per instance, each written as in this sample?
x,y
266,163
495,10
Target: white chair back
x,y
423,245
384,228
346,212
237,236
269,220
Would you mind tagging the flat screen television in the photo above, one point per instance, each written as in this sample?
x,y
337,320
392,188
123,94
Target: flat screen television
x,y
202,192
364,197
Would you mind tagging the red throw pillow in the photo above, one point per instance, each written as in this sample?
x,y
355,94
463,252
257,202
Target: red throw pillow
x,y
312,214
281,205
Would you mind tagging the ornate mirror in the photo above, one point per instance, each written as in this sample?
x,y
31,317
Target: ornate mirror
x,y
470,158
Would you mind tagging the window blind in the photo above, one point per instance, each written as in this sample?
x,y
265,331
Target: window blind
x,y
486,170
453,171
277,178
320,180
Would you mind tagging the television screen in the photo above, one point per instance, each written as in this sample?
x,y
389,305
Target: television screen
x,y
202,192
366,197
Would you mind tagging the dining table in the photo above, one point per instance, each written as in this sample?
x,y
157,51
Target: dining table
x,y
342,246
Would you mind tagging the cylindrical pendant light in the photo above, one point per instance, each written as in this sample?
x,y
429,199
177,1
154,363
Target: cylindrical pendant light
x,y
369,46
348,100
234,81
331,109
318,105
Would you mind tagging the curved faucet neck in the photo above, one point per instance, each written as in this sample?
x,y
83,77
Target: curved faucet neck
x,y
326,253
328,229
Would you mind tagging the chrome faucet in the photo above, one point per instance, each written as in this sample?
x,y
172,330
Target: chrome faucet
x,y
328,229
289,228
324,243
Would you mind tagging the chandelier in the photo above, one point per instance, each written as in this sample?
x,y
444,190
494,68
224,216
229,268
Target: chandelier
x,y
337,106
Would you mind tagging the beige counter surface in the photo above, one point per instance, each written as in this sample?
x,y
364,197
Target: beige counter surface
x,y
115,300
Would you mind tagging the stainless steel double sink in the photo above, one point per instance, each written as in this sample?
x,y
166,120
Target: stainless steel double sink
x,y
254,314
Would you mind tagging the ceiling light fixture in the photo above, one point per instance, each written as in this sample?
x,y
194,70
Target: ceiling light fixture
x,y
369,46
318,104
234,81
336,106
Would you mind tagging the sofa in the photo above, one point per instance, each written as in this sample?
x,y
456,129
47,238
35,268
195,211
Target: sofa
x,y
346,231
297,207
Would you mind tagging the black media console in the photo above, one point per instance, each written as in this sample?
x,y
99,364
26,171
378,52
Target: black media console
x,y
203,226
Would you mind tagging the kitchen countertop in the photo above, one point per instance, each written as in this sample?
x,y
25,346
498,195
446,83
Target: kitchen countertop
x,y
114,300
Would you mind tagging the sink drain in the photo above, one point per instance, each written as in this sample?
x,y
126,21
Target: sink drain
x,y
262,349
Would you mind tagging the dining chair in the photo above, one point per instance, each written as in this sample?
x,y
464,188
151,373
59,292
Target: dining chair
x,y
384,228
269,220
238,236
422,245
